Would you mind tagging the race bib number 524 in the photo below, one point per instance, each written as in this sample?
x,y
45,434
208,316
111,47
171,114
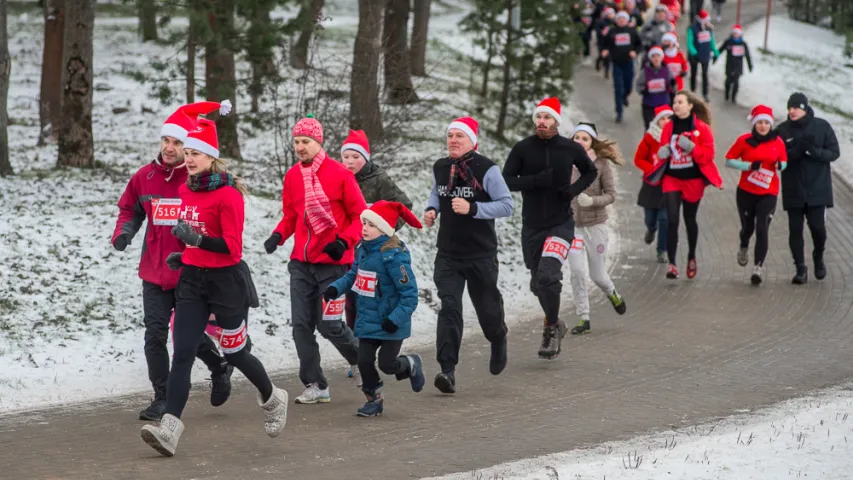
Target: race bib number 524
x,y
165,210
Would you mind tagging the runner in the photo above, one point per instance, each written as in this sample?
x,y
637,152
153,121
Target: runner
x,y
585,17
760,155
387,290
807,182
622,44
540,167
211,225
151,196
602,28
687,148
701,49
656,84
675,61
653,31
630,7
736,49
321,206
651,197
590,212
469,193
718,9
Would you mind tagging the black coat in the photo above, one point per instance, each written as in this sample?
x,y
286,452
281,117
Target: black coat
x,y
811,146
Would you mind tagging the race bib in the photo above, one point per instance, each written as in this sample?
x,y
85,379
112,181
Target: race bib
x,y
605,30
577,246
761,177
674,69
678,160
232,341
334,310
586,20
556,247
365,283
704,37
656,85
622,39
738,50
165,211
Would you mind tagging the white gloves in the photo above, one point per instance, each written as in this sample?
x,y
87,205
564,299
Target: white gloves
x,y
664,152
584,200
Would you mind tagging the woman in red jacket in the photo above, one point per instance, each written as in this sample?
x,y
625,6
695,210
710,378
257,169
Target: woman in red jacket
x,y
761,156
651,196
211,282
687,151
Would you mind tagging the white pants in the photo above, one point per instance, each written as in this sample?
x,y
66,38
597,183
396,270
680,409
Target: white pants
x,y
594,251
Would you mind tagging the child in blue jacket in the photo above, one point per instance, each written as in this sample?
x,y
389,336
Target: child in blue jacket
x,y
386,297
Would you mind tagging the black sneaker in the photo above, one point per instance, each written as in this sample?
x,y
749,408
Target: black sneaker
x,y
220,386
819,266
649,238
625,101
552,339
581,328
155,411
445,382
802,276
498,361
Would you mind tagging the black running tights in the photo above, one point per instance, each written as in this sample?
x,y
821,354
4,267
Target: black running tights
x,y
674,206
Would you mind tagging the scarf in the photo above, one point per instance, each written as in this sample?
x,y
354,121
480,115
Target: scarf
x,y
209,181
671,52
547,134
757,139
655,131
318,210
460,169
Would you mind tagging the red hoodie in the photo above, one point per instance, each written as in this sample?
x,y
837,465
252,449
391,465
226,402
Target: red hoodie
x,y
153,181
766,180
347,203
218,214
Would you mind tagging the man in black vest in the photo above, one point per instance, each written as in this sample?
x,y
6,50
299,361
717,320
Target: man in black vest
x,y
540,167
469,192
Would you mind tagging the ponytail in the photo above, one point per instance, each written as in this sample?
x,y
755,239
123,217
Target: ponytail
x,y
220,166
606,148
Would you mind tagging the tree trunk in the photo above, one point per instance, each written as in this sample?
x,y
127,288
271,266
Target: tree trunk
x,y
76,148
5,67
147,19
395,39
364,86
420,37
51,71
192,38
487,67
308,16
507,73
260,50
219,73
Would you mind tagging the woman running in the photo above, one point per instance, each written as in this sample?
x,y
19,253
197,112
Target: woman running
x,y
761,155
211,225
687,151
651,196
591,231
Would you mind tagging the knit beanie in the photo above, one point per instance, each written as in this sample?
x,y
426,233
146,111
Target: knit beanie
x,y
309,127
798,100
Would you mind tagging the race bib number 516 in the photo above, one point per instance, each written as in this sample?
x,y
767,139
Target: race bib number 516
x,y
165,210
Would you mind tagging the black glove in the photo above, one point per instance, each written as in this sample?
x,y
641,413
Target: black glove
x,y
544,178
186,234
389,326
755,166
335,250
121,242
272,243
330,294
174,260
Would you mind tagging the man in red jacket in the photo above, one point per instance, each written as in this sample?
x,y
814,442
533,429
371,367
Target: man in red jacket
x,y
152,194
322,206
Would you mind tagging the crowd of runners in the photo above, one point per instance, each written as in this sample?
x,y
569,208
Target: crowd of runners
x,y
351,276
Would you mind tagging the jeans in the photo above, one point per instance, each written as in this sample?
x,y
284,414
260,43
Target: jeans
x,y
623,81
656,221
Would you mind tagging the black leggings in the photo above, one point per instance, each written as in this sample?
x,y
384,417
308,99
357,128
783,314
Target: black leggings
x,y
816,219
694,69
756,212
200,292
390,362
674,206
732,84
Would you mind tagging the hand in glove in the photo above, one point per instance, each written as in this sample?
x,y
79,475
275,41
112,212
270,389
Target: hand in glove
x,y
335,250
121,242
664,152
685,144
330,294
271,244
174,260
755,166
389,326
186,234
584,200
544,178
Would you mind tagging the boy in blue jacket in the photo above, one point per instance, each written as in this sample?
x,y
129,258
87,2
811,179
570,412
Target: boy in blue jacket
x,y
386,297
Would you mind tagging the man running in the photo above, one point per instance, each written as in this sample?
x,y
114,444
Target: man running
x,y
622,44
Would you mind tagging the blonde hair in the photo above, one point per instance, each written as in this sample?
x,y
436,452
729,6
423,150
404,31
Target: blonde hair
x,y
700,108
221,166
605,148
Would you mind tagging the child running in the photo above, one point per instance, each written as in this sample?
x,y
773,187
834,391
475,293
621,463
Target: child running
x,y
651,196
736,50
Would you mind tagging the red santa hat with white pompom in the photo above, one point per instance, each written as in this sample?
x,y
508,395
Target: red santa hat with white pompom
x,y
183,121
385,215
761,112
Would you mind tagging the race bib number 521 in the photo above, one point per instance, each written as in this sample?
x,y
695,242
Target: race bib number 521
x,y
165,210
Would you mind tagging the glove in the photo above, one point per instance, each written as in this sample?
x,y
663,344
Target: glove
x,y
544,178
335,250
330,294
121,242
664,152
755,166
389,326
584,200
186,234
174,260
685,144
272,243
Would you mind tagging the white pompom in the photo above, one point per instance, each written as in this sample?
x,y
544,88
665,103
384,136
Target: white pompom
x,y
225,107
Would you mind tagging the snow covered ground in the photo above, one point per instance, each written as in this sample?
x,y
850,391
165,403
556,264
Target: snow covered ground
x,y
803,438
70,306
803,58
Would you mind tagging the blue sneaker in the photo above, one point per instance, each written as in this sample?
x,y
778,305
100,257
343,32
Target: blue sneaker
x,y
349,374
373,407
416,376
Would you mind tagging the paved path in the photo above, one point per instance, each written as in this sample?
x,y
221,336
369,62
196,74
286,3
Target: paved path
x,y
687,351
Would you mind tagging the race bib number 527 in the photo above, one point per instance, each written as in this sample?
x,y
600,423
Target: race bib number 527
x,y
165,210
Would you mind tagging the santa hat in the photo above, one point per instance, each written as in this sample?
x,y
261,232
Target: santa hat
x,y
660,112
385,215
587,127
551,106
670,37
203,138
761,112
308,127
468,126
737,29
703,16
357,142
607,12
184,119
623,15
656,50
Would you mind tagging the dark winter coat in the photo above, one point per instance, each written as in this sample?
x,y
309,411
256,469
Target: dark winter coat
x,y
620,42
812,146
655,85
700,42
376,185
547,205
736,50
653,31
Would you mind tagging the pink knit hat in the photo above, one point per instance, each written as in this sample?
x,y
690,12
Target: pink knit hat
x,y
309,127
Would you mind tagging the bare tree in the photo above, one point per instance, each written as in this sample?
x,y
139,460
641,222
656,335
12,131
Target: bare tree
x,y
364,86
147,10
219,76
76,148
192,42
307,17
507,73
50,95
5,68
398,76
420,37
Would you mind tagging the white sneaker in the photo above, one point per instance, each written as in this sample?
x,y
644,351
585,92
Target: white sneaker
x,y
164,436
275,417
314,394
757,275
356,375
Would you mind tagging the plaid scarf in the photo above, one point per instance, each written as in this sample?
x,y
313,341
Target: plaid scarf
x,y
209,181
317,206
460,169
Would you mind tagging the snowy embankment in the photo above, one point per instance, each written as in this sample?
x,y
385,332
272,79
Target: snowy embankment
x,y
803,58
70,306
803,438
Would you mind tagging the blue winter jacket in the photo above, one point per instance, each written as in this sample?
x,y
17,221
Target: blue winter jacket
x,y
385,287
